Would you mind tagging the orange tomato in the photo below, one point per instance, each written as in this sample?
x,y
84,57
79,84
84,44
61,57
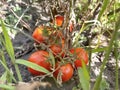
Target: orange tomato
x,y
41,33
59,20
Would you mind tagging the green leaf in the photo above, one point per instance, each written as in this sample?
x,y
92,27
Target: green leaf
x,y
8,71
10,50
7,87
108,51
3,77
45,31
104,85
52,59
99,49
104,7
84,77
32,65
8,43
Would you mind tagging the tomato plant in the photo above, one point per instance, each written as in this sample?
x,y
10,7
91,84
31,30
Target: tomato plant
x,y
40,58
66,71
57,38
80,54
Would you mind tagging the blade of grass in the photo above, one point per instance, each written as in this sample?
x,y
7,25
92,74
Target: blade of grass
x,y
8,43
8,71
116,53
6,87
84,77
10,50
32,65
104,85
94,50
116,68
2,57
8,77
3,77
103,8
77,37
98,80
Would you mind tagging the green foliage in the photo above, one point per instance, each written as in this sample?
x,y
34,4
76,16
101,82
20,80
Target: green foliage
x,y
103,8
84,77
104,85
52,59
9,73
7,42
32,65
7,87
9,48
111,43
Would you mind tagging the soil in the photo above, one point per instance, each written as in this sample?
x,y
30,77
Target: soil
x,y
26,47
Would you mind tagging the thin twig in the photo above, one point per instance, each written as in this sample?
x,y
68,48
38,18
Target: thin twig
x,y
22,22
21,16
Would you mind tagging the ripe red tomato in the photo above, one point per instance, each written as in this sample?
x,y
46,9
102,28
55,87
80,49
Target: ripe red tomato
x,y
59,20
40,58
66,72
80,54
56,49
41,33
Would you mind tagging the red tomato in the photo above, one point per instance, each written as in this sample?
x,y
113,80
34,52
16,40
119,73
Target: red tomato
x,y
41,33
40,58
56,49
59,20
80,54
66,72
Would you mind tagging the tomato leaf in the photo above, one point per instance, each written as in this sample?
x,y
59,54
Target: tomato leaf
x,y
45,32
32,65
84,77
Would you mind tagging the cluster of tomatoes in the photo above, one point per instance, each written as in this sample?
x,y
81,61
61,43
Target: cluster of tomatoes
x,y
54,41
